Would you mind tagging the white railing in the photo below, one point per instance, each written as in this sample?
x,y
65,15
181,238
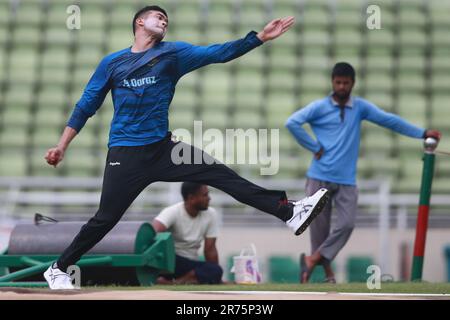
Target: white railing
x,y
78,198
55,195
20,196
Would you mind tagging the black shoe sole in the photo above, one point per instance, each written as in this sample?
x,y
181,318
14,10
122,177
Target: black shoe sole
x,y
316,211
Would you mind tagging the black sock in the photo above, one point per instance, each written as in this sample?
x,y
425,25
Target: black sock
x,y
60,267
285,211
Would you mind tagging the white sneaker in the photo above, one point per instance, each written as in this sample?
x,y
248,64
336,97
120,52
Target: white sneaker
x,y
57,279
306,210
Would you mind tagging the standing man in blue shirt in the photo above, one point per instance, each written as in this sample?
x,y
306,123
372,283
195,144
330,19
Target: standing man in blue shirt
x,y
142,79
336,123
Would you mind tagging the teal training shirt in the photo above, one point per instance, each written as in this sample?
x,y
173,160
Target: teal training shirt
x,y
340,138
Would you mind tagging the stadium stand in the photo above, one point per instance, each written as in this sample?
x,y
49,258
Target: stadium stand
x,y
403,67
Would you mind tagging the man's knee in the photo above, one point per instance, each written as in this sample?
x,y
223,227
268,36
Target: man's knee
x,y
209,273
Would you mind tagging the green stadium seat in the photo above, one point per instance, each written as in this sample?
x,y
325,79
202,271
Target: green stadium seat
x,y
349,39
88,57
439,38
383,38
120,39
440,82
285,8
215,81
281,81
378,140
248,100
23,63
439,108
316,17
413,108
314,63
220,14
88,136
219,34
381,81
4,40
83,163
5,15
185,99
283,269
94,16
46,136
51,98
379,63
30,11
121,13
246,119
253,61
409,147
253,14
59,37
187,14
315,41
382,99
18,97
313,82
16,116
283,58
348,14
190,34
357,268
180,118
412,16
57,13
230,262
439,13
13,163
56,58
440,63
412,38
214,118
49,117
13,135
90,37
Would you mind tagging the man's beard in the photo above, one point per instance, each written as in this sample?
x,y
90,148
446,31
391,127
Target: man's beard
x,y
342,96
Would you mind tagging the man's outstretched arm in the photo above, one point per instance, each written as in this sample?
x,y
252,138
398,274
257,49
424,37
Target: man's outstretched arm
x,y
397,124
192,57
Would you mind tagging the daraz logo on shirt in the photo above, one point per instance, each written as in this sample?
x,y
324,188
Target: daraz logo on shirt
x,y
134,83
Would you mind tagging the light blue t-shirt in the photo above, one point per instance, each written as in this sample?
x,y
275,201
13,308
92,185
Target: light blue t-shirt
x,y
340,138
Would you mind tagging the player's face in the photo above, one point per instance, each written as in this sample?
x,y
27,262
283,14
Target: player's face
x,y
202,198
156,22
342,86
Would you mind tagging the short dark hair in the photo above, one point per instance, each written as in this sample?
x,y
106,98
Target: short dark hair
x,y
190,188
343,69
144,10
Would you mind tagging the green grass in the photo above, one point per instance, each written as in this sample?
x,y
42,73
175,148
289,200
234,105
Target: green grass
x,y
394,287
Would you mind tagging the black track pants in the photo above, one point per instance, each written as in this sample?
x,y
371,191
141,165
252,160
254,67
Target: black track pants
x,y
131,169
